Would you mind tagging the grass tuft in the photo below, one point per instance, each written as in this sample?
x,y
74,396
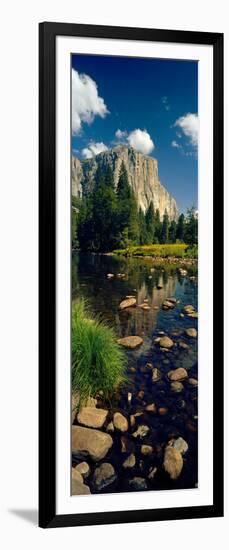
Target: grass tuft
x,y
98,362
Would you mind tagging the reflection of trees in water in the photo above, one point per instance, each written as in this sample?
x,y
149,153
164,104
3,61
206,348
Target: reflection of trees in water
x,y
90,282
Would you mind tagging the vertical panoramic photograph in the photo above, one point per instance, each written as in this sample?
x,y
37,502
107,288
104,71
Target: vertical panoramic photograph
x,y
134,275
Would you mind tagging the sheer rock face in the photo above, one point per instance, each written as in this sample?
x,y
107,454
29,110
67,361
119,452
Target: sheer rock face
x,y
142,173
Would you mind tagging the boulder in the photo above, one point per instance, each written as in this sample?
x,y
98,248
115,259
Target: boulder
x,y
191,332
120,422
166,342
188,309
145,307
130,302
141,432
92,417
79,488
176,387
83,468
173,462
159,286
130,461
138,484
87,441
146,450
104,476
76,475
193,382
130,342
110,275
156,375
180,444
183,345
177,374
168,305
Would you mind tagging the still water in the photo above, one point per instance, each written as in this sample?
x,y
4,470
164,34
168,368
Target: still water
x,y
140,277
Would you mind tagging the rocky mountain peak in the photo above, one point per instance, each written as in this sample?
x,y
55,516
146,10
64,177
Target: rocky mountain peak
x,y
142,174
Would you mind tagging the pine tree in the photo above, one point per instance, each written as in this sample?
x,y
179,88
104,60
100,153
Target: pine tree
x,y
127,210
142,227
158,227
172,231
180,228
150,223
191,226
165,228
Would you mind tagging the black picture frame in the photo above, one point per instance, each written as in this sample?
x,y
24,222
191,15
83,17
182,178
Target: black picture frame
x,y
47,274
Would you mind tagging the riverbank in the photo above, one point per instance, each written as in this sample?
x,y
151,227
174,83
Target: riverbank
x,y
161,253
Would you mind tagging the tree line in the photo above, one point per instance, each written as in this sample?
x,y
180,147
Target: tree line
x,y
109,218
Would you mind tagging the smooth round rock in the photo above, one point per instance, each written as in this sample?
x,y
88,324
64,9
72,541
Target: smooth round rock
x,y
120,422
130,461
130,302
104,475
191,332
176,387
92,417
173,462
130,342
138,483
166,342
177,374
146,450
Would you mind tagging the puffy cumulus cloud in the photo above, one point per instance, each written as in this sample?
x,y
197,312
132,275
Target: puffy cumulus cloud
x,y
120,134
141,141
189,125
93,149
86,103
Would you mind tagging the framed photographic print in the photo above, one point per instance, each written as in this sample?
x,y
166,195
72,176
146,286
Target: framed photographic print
x,y
131,275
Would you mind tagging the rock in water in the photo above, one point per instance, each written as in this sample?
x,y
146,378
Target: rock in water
x,y
142,431
79,488
76,475
130,461
130,342
177,374
92,417
87,441
138,483
130,302
177,387
142,171
180,444
120,422
104,476
191,332
165,342
173,462
83,468
146,450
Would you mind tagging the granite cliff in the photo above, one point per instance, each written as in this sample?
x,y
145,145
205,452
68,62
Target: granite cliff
x,y
142,173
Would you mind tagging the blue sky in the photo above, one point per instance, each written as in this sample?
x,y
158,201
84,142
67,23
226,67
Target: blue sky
x,y
151,104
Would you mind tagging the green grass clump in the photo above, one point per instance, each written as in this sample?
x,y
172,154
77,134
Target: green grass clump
x,y
98,362
161,251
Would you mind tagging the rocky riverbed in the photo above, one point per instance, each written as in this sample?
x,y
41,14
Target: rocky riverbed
x,y
146,437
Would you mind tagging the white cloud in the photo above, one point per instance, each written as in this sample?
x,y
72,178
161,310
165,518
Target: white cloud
x,y
120,134
93,149
175,144
165,103
189,125
86,103
141,141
